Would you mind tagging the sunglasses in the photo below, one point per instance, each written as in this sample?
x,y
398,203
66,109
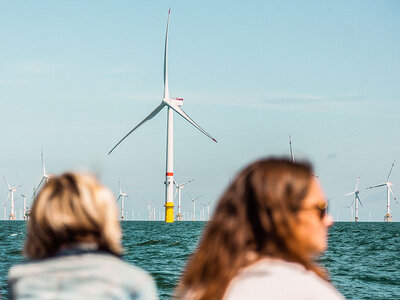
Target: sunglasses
x,y
320,207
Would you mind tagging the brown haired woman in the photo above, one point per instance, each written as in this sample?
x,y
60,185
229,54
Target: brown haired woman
x,y
267,228
74,243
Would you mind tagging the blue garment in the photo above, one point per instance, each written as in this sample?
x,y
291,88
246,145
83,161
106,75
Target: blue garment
x,y
80,274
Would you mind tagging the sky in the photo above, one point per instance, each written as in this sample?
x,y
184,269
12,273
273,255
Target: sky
x,y
76,76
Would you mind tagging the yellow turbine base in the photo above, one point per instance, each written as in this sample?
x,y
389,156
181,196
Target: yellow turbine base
x,y
169,212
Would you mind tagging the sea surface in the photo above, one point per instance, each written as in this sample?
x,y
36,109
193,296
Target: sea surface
x,y
363,259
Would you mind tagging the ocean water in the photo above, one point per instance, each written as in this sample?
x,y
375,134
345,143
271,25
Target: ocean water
x,y
363,259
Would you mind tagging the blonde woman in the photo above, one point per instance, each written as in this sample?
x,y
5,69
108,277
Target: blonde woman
x,y
74,246
262,240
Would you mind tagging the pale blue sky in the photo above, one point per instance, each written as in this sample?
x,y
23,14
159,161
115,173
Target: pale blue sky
x,y
75,77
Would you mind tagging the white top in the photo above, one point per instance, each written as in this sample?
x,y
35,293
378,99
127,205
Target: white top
x,y
277,279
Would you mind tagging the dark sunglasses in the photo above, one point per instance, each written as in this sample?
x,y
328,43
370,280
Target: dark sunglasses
x,y
321,208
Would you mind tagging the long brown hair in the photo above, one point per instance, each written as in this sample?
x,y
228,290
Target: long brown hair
x,y
254,218
69,209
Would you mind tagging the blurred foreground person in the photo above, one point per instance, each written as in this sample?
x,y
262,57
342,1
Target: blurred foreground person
x,y
267,229
74,245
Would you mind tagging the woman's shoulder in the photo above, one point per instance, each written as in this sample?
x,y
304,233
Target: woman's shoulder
x,y
89,268
97,262
279,279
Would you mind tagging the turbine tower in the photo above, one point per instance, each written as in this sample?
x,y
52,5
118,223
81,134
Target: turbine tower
x,y
172,104
11,191
5,209
291,150
388,184
25,207
122,197
179,190
208,210
356,199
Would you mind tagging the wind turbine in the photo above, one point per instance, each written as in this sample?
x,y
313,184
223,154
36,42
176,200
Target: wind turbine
x,y
25,207
208,210
149,209
172,104
45,176
356,199
122,197
11,191
194,205
179,190
291,150
388,184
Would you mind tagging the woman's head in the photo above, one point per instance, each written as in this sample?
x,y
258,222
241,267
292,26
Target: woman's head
x,y
72,208
269,210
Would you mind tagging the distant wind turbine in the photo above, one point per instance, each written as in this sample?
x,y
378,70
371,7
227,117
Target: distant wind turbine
x,y
11,191
45,176
122,197
172,104
178,190
25,207
388,184
194,205
356,199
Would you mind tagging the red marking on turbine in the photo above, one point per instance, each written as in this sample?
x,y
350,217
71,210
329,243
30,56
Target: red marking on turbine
x,y
215,140
170,174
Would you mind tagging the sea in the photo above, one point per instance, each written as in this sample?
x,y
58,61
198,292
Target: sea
x,y
363,259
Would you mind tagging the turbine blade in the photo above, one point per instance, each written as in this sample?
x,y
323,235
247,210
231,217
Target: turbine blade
x,y
150,116
349,194
390,172
394,197
166,90
40,183
358,180
186,182
43,166
189,196
118,198
371,187
359,200
9,187
176,191
291,150
179,111
119,184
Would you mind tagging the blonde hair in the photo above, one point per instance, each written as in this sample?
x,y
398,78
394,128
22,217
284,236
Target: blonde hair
x,y
71,208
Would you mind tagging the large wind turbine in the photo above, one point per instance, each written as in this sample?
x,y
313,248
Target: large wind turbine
x,y
179,188
122,197
388,184
356,199
172,104
11,191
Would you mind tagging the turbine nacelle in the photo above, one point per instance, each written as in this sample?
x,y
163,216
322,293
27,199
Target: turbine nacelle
x,y
176,101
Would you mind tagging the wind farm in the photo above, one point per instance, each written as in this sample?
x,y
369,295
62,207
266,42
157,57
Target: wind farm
x,y
108,88
246,96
